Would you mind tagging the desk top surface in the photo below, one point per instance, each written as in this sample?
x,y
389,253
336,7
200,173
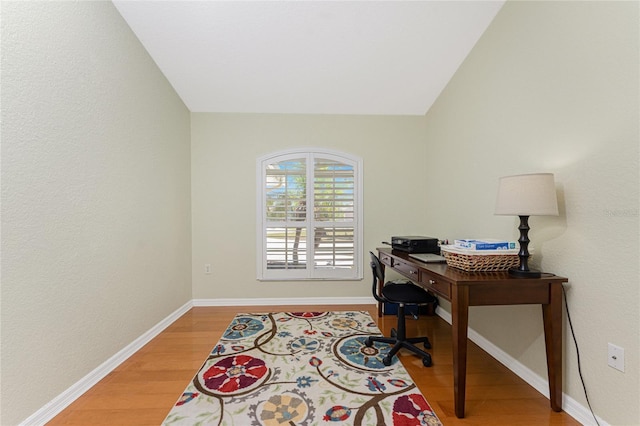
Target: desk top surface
x,y
463,277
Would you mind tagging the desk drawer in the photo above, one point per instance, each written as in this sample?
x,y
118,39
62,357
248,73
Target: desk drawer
x,y
406,269
386,260
442,288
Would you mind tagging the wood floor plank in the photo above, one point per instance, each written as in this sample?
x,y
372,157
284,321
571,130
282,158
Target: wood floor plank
x,y
142,390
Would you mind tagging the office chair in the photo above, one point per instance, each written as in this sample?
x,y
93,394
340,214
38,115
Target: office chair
x,y
401,294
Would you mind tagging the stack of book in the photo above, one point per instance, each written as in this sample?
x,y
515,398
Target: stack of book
x,y
485,244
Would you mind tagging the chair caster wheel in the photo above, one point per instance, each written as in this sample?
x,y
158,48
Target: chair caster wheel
x,y
426,361
387,360
368,342
427,345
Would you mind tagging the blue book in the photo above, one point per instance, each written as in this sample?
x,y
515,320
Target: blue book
x,y
485,244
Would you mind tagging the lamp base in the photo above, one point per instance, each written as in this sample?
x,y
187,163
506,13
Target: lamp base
x,y
524,274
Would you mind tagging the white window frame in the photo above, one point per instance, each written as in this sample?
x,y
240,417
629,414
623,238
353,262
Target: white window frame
x,y
308,273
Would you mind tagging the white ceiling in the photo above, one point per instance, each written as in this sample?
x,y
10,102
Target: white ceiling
x,y
317,57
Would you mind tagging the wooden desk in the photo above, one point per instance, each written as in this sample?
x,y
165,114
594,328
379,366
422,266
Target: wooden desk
x,y
464,289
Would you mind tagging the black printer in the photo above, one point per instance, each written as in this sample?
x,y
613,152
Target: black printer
x,y
415,244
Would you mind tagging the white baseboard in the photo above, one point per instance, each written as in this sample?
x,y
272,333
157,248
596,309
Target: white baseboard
x,y
62,401
569,405
286,301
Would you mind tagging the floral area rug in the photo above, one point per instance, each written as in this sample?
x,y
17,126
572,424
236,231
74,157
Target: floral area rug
x,y
301,368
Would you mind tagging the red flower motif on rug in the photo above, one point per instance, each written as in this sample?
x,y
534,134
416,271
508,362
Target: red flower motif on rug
x,y
234,373
410,410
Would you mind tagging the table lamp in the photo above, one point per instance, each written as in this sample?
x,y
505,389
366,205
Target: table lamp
x,y
524,196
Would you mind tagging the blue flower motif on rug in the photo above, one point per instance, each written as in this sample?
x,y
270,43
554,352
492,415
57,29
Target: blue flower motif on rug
x,y
353,351
242,327
304,344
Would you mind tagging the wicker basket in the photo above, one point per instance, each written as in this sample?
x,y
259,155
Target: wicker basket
x,y
472,261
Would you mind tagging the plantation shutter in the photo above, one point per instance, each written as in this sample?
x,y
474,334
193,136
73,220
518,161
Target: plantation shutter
x,y
286,233
334,207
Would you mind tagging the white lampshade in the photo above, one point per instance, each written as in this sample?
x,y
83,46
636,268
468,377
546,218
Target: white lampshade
x,y
527,195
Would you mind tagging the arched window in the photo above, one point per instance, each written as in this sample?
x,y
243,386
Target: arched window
x,y
309,215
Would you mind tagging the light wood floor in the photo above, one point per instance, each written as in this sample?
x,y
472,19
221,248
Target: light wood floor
x,y
143,389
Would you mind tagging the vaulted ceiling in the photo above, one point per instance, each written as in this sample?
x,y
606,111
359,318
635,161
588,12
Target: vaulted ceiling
x,y
316,57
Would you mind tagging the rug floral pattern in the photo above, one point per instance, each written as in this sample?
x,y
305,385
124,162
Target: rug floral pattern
x,y
301,368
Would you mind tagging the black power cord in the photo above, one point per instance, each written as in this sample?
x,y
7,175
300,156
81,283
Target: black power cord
x,y
573,334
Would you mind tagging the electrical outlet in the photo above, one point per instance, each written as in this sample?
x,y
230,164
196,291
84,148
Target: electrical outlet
x,y
207,268
616,357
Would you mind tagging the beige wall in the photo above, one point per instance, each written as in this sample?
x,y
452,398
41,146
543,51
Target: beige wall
x,y
553,87
95,197
224,152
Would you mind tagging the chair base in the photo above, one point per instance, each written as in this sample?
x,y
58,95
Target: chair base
x,y
423,340
400,340
408,343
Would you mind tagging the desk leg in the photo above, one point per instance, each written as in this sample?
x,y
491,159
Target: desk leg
x,y
459,323
552,317
380,285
